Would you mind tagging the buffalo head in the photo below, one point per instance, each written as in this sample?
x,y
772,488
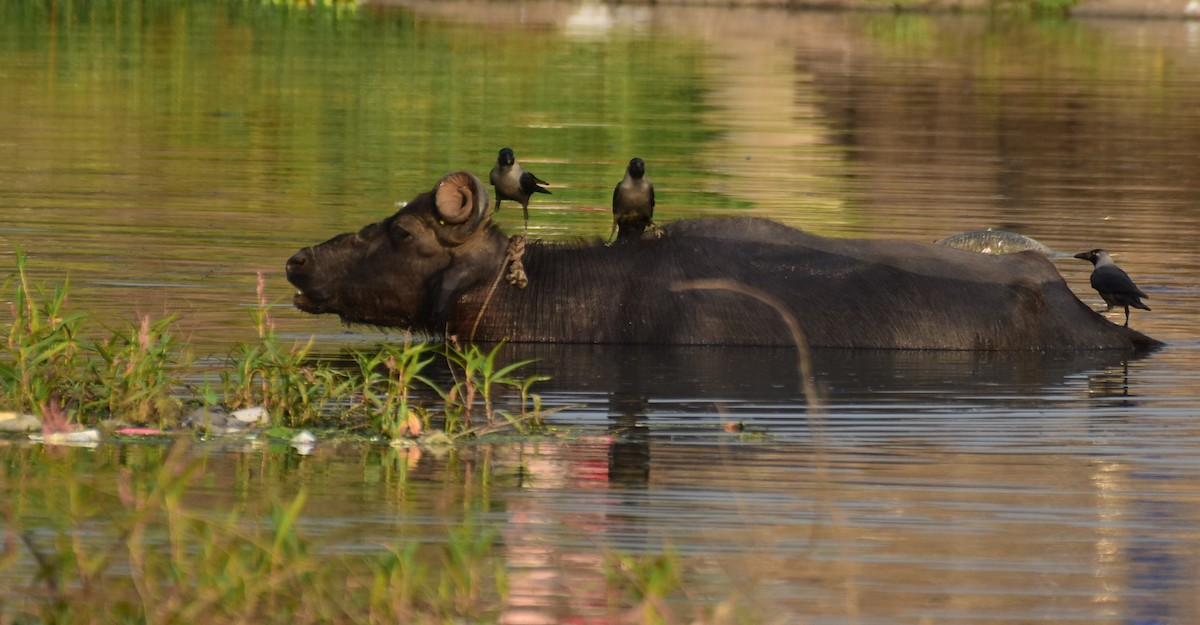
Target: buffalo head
x,y
404,270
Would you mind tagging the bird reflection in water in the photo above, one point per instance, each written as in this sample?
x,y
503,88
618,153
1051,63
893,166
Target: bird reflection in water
x,y
1111,382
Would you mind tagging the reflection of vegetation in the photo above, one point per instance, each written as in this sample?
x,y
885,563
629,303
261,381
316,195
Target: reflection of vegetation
x,y
1014,81
343,7
156,559
645,581
1008,44
136,374
907,35
1036,8
374,105
157,534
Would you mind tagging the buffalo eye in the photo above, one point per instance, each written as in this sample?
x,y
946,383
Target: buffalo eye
x,y
399,234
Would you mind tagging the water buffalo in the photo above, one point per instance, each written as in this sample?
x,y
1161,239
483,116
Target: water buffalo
x,y
435,266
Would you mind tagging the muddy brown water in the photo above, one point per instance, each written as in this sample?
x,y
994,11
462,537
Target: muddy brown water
x,y
162,157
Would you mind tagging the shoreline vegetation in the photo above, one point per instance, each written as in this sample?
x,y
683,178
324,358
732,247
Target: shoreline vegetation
x,y
158,556
141,379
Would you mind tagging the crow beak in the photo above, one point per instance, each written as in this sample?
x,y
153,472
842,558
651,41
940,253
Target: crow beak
x,y
1084,256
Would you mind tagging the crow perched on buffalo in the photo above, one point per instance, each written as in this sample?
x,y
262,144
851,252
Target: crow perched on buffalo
x,y
434,266
1112,283
511,182
633,203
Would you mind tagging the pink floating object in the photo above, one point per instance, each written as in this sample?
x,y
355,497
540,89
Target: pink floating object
x,y
139,431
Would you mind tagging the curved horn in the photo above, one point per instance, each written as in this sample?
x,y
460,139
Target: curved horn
x,y
455,198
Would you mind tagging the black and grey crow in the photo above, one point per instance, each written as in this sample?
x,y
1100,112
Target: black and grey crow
x,y
513,183
633,202
1112,283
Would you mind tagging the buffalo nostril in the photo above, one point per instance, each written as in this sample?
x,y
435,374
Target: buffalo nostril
x,y
297,261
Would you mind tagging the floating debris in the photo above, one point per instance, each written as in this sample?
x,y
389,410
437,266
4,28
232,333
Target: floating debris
x,y
435,440
81,438
304,442
17,422
257,414
217,421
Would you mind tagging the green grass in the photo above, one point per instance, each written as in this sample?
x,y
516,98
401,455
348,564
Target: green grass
x,y
137,376
150,556
134,374
480,379
385,383
41,358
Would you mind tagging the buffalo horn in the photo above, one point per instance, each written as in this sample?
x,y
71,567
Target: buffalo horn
x,y
455,198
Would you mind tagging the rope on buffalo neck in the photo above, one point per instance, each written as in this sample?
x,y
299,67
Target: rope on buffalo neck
x,y
513,269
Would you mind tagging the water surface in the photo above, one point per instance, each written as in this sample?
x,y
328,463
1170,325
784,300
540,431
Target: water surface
x,y
161,156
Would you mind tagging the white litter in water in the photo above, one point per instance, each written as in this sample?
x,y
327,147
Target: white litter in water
x,y
257,414
304,438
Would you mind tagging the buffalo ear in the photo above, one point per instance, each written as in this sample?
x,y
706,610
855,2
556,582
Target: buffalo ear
x,y
460,203
459,198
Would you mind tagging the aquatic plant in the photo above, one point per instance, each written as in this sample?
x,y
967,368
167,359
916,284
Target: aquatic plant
x,y
136,373
281,378
297,389
477,375
530,403
38,361
132,375
385,381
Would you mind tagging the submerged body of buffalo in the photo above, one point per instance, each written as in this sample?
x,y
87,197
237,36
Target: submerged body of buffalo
x,y
436,277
